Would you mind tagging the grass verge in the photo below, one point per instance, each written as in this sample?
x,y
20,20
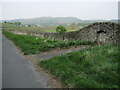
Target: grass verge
x,y
89,68
33,45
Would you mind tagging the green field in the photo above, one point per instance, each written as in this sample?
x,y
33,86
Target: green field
x,y
55,30
34,45
8,26
89,68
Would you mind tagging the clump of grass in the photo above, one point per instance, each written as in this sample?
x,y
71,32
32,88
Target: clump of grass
x,y
34,45
89,68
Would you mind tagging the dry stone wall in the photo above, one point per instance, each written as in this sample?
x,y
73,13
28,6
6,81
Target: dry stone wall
x,y
101,32
104,32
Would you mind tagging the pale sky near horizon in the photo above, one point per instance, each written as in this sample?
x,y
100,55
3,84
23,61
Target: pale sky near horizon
x,y
81,10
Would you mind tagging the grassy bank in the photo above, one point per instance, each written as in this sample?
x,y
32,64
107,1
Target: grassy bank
x,y
34,45
89,68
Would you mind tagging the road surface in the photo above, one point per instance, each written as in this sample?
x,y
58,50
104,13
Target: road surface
x,y
18,72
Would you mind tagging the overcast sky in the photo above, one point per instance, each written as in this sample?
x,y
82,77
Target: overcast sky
x,y
81,10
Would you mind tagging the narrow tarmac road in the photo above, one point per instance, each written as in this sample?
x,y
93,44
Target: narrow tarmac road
x,y
18,72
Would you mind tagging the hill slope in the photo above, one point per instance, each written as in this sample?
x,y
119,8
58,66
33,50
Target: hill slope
x,y
54,21
48,20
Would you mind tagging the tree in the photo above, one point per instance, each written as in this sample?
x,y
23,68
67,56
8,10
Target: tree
x,y
61,31
5,21
17,23
29,25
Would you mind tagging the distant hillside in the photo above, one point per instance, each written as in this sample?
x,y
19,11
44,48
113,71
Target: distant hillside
x,y
54,21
